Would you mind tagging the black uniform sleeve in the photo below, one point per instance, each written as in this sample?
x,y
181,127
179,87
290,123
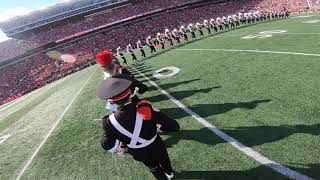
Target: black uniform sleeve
x,y
167,124
108,142
142,87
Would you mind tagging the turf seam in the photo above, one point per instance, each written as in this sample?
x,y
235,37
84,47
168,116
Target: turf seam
x,y
52,129
238,145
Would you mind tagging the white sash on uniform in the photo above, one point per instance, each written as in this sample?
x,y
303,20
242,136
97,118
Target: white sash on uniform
x,y
135,139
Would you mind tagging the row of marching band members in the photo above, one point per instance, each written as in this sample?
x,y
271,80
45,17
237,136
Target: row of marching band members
x,y
213,25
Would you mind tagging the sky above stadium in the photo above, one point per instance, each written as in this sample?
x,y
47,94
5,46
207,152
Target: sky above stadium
x,y
11,8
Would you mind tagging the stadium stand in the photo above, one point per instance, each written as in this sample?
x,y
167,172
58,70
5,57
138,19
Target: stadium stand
x,y
37,70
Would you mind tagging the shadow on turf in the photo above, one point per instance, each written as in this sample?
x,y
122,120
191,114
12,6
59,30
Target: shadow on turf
x,y
261,173
205,110
258,135
180,94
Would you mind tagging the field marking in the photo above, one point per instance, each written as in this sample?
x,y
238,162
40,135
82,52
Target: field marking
x,y
238,145
4,138
254,51
51,130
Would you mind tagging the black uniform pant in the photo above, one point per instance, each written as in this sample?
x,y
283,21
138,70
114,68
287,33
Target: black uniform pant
x,y
143,54
171,42
209,30
153,49
220,27
124,60
161,164
193,34
185,37
178,39
201,32
133,57
162,45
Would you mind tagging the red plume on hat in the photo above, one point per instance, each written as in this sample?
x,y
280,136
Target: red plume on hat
x,y
104,58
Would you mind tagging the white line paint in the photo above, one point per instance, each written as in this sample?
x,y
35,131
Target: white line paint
x,y
51,130
241,147
4,138
253,51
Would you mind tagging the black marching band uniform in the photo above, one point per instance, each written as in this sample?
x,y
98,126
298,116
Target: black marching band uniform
x,y
176,36
199,28
135,124
160,40
183,31
168,36
130,50
140,46
191,30
213,25
151,44
206,25
120,53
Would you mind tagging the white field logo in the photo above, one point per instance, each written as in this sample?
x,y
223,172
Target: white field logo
x,y
312,21
264,34
166,72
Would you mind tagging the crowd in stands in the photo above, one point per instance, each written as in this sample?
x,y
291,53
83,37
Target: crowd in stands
x,y
13,47
36,71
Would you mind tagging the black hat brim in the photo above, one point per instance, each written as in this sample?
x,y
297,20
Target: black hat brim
x,y
112,87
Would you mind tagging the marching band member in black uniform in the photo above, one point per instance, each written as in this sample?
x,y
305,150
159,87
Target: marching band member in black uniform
x,y
160,40
183,31
225,22
236,20
140,46
135,124
120,53
150,43
206,25
213,25
176,35
130,49
168,36
230,21
219,23
199,28
191,30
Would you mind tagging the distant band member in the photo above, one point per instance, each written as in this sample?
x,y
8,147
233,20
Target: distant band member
x,y
151,45
120,53
206,25
191,30
213,25
160,40
183,31
225,22
168,36
176,36
219,23
139,45
199,28
130,49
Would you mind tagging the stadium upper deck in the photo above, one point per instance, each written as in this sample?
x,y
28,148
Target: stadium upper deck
x,y
54,13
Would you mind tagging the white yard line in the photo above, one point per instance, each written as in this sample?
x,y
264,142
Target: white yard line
x,y
51,130
253,51
238,145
